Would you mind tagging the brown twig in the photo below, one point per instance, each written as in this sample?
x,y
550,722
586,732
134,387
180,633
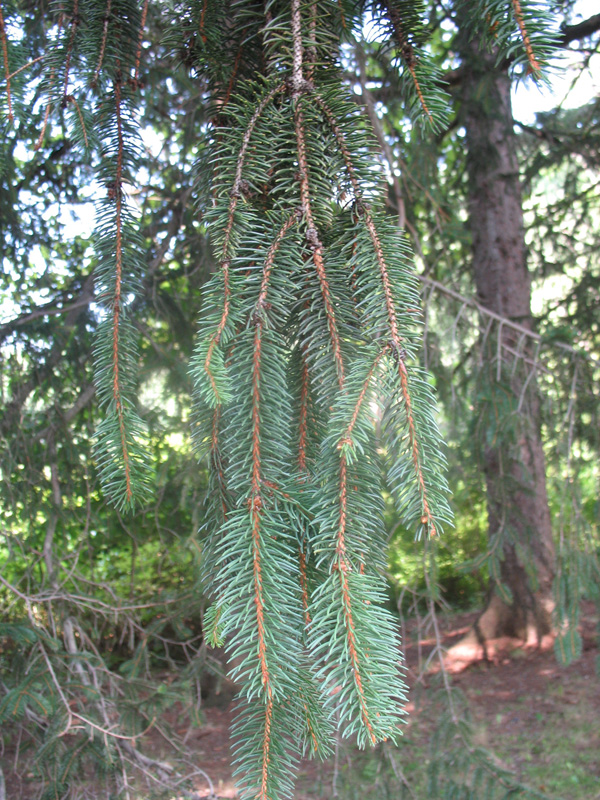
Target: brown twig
x,y
312,233
25,66
72,100
256,500
6,67
303,420
138,53
74,24
40,138
102,43
534,64
408,54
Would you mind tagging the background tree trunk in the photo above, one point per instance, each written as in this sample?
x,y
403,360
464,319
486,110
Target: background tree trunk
x,y
520,600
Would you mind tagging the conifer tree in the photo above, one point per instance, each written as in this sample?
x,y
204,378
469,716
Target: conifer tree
x,y
309,331
525,598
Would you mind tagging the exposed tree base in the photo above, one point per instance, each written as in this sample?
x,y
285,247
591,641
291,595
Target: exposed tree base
x,y
499,630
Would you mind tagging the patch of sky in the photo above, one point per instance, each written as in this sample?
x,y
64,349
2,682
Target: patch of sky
x,y
15,29
153,142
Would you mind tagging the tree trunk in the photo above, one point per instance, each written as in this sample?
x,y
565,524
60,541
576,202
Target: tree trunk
x,y
520,600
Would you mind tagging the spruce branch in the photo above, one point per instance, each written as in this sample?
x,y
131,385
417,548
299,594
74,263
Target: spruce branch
x,y
313,317
27,65
117,296
138,52
421,79
105,23
53,58
120,446
407,53
235,194
7,73
256,499
74,23
519,31
427,517
534,64
299,85
312,237
342,564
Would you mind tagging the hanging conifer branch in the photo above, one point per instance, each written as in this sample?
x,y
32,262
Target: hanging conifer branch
x,y
138,52
342,565
302,442
71,99
105,24
296,515
534,65
421,79
427,518
303,416
7,74
256,500
519,31
117,191
299,85
51,80
121,439
235,194
408,54
73,48
27,65
74,24
398,353
312,236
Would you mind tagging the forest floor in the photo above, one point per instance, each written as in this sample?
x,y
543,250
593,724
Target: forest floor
x,y
535,719
539,721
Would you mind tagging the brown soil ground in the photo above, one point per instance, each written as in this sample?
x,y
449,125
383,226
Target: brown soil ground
x,y
523,705
513,697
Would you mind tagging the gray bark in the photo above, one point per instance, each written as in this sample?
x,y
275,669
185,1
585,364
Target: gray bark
x,y
512,454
